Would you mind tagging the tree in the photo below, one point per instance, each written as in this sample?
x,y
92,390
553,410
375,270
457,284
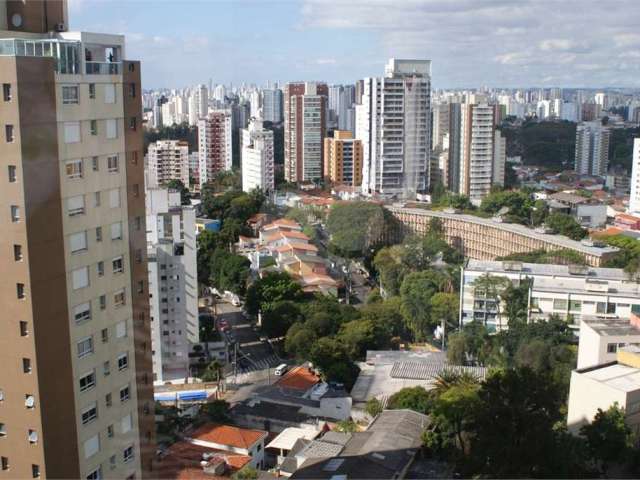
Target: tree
x,y
391,270
355,227
609,438
246,473
213,372
229,271
346,426
373,407
387,316
299,341
217,411
416,292
564,224
185,194
490,288
273,287
516,300
472,344
332,359
444,309
361,335
454,408
278,317
412,398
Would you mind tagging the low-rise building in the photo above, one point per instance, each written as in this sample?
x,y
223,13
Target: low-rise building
x,y
232,439
600,386
600,339
569,291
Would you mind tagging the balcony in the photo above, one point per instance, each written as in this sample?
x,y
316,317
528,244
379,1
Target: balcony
x,y
103,68
65,53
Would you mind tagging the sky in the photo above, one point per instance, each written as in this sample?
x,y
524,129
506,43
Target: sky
x,y
471,43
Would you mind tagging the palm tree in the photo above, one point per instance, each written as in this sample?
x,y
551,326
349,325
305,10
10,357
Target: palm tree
x,y
448,378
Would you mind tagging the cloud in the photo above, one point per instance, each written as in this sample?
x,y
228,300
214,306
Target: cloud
x,y
325,61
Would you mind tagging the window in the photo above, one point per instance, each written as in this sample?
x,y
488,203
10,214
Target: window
x,y
17,253
103,302
110,431
134,158
121,329
73,168
35,471
559,304
32,436
140,288
20,291
98,234
89,414
92,90
29,401
136,190
6,92
26,365
105,335
132,90
80,277
138,255
8,133
5,463
116,231
106,368
88,381
109,93
123,361
612,347
12,174
24,328
93,127
126,424
100,269
118,265
133,123
95,163
114,198
107,400
127,454
75,205
3,430
611,308
95,475
112,128
70,95
97,200
78,242
112,462
601,307
119,298
15,213
85,347
575,305
91,447
82,313
124,394
71,132
138,223
112,163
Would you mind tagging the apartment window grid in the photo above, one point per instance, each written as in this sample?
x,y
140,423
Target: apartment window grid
x,y
12,173
70,95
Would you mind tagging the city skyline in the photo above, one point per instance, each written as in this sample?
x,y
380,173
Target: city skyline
x,y
492,43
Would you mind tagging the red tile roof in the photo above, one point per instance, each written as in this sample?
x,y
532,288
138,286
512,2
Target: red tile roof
x,y
282,222
297,246
228,435
299,378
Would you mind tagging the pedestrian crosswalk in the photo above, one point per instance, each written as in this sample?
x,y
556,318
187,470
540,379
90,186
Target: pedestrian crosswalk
x,y
247,364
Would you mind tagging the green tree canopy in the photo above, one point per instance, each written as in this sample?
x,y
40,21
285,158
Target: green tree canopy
x,y
356,227
412,398
273,287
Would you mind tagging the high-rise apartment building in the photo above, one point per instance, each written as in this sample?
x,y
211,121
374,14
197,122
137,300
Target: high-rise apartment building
x,y
215,148
592,148
257,157
343,159
634,198
394,123
173,283
305,107
272,105
482,151
76,389
168,160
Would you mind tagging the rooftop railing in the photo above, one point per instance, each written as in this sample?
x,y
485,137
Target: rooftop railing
x,y
65,53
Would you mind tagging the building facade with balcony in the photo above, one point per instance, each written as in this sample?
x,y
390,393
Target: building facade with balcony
x,y
168,160
257,157
173,283
487,239
215,147
573,293
76,394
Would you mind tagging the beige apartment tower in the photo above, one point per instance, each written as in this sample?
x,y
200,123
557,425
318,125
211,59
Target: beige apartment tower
x,y
343,159
76,395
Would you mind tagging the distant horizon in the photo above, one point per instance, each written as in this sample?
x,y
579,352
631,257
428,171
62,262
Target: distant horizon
x,y
489,42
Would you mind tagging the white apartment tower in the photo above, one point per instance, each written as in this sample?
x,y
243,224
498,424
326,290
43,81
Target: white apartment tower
x,y
168,160
592,148
215,147
76,390
393,123
482,151
173,283
634,198
257,157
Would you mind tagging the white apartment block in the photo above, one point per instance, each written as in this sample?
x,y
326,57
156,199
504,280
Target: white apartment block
x,y
600,339
168,160
592,148
634,198
572,292
394,124
215,147
173,284
257,157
